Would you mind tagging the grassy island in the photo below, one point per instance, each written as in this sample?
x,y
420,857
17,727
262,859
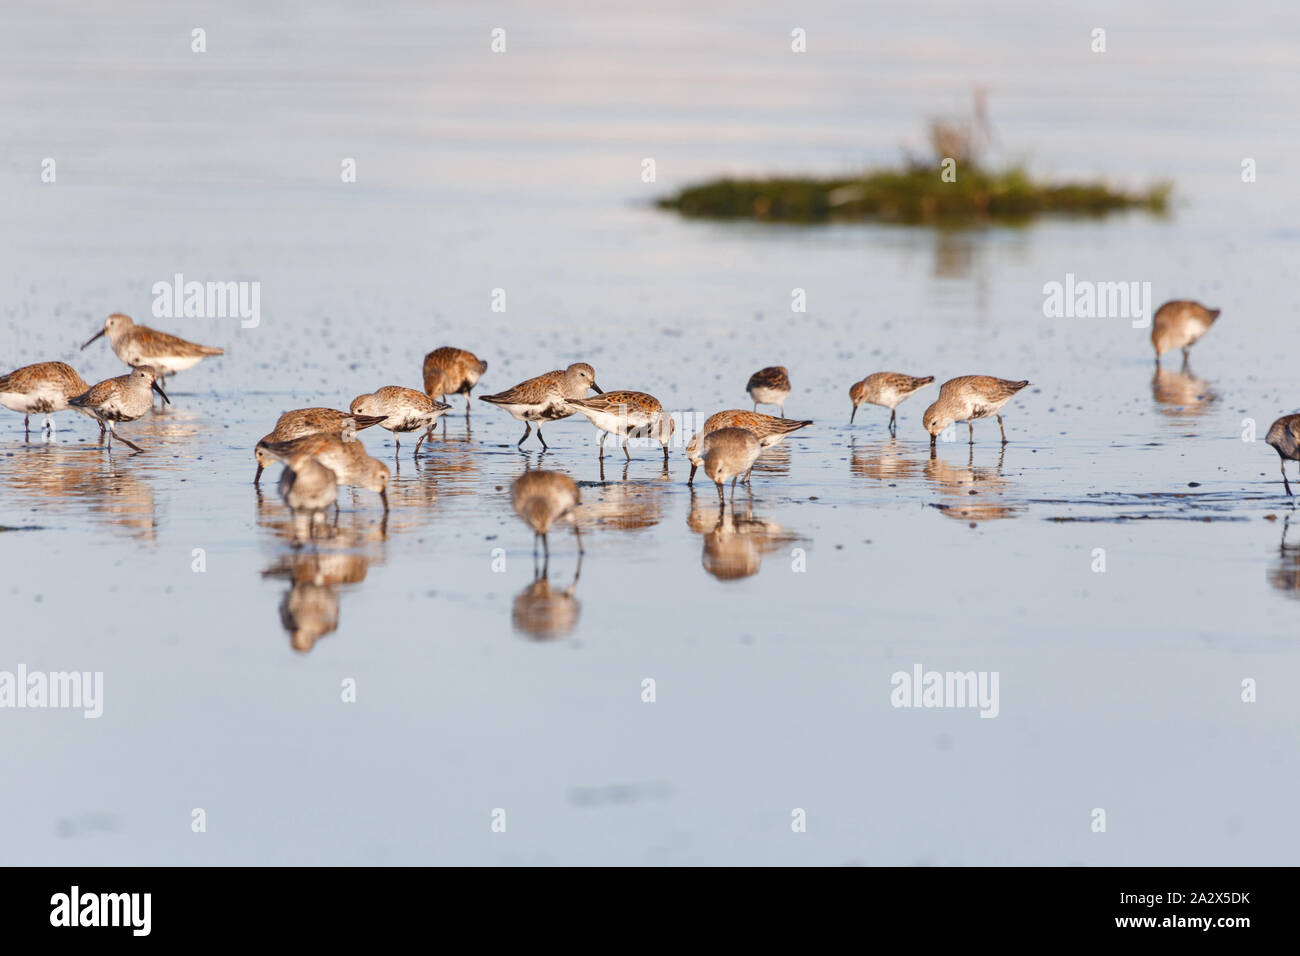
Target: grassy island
x,y
950,185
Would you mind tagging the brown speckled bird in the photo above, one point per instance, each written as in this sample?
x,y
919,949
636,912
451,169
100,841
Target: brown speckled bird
x,y
768,429
545,397
452,371
402,410
769,386
967,398
298,422
1284,436
627,415
542,498
41,389
137,345
886,389
1179,324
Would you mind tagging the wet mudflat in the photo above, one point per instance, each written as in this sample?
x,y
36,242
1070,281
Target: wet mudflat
x,y
771,628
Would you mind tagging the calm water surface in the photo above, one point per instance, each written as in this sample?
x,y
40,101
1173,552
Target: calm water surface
x,y
771,630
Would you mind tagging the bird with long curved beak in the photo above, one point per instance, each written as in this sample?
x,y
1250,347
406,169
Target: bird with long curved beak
x,y
121,399
137,345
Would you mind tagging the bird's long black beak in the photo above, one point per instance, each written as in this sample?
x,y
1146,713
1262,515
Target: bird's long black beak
x,y
599,390
383,496
92,338
157,388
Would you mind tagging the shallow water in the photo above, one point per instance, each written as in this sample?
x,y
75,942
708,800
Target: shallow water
x,y
771,630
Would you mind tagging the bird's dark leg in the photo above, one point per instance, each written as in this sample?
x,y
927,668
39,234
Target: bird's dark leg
x,y
971,426
545,447
1003,430
421,441
528,430
691,479
665,444
27,427
893,420
626,454
1285,484
603,435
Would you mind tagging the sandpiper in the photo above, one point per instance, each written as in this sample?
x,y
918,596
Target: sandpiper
x,y
769,386
1179,324
627,415
542,498
308,487
546,397
887,389
40,389
298,422
451,371
121,399
402,410
1284,436
729,453
768,429
967,398
138,345
347,459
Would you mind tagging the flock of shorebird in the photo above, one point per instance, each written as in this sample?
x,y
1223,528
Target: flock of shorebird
x,y
320,450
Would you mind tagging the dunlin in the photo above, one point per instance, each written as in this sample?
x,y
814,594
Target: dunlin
x,y
769,386
307,487
40,389
121,399
451,371
768,429
1284,436
403,410
627,415
546,397
311,421
887,389
138,345
967,398
729,453
542,498
1178,325
347,459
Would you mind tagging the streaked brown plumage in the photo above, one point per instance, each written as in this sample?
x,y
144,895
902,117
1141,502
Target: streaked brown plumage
x,y
768,429
452,371
545,397
138,345
401,410
121,399
41,389
348,459
298,422
542,498
1179,324
769,386
627,415
966,398
887,389
307,487
1284,436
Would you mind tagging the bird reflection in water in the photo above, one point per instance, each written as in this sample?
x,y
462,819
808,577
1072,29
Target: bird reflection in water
x,y
1284,573
544,613
1181,395
340,553
735,539
884,461
970,492
80,478
625,505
